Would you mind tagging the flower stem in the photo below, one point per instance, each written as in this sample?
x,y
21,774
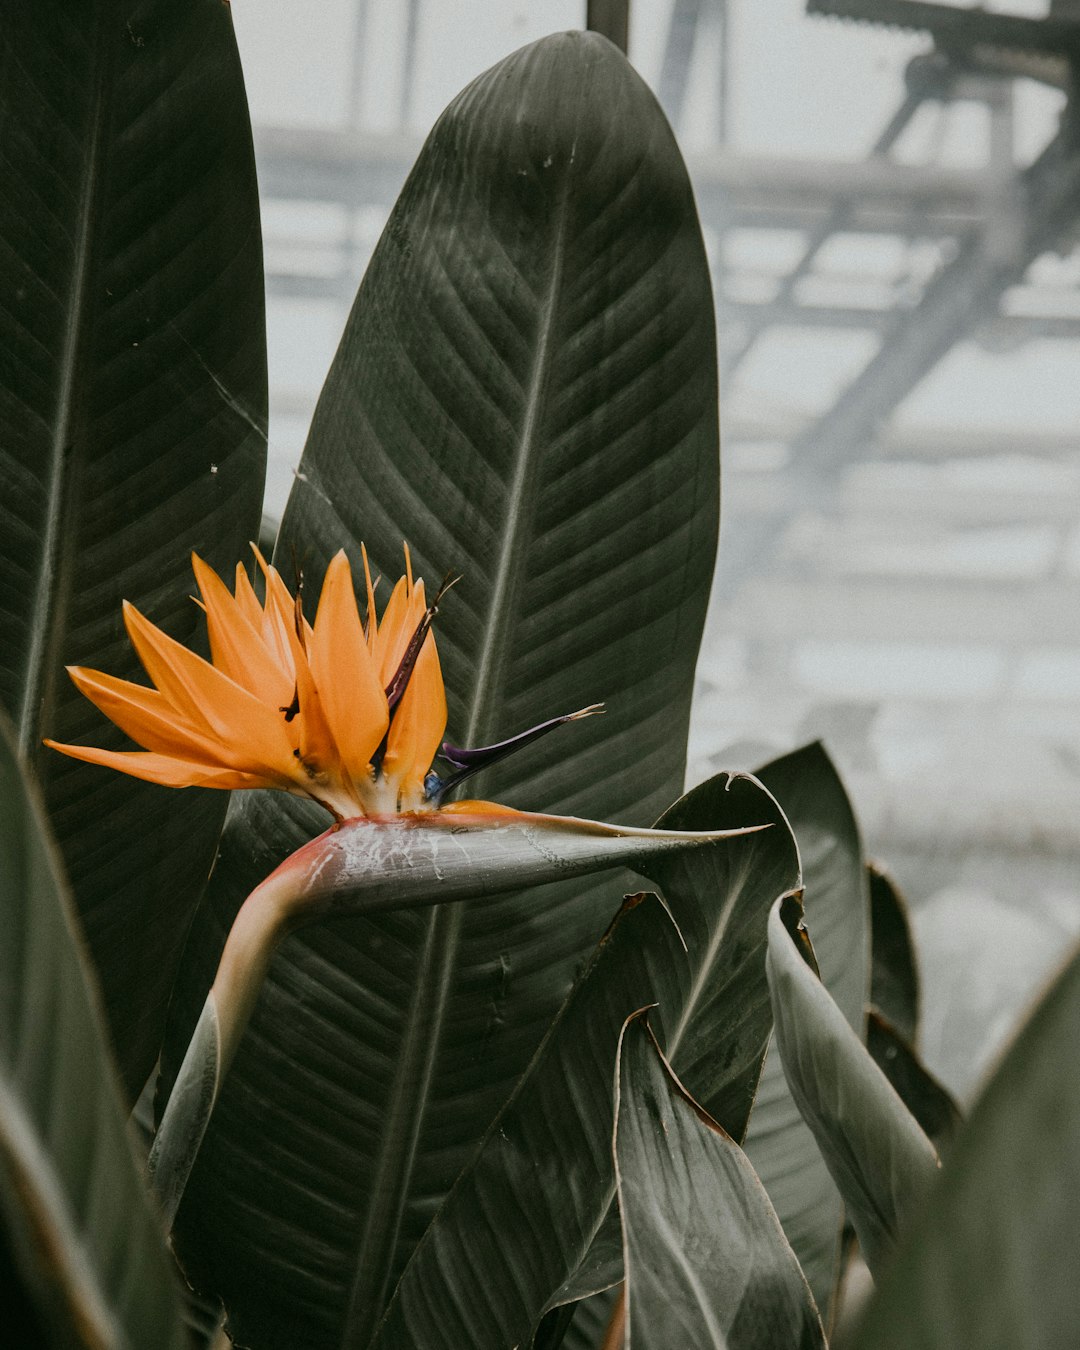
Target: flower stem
x,y
263,919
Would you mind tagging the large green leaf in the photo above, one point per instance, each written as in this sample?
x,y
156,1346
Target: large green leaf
x,y
893,1025
876,1153
374,866
592,1320
75,1223
526,391
928,1101
991,1260
132,425
706,1262
778,1141
511,1240
894,979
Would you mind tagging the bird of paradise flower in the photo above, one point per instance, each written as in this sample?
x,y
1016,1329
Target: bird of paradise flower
x,y
348,713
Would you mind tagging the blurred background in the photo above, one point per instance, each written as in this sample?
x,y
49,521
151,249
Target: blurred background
x,y
890,195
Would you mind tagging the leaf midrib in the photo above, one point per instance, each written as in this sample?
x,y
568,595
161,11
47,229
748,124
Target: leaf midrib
x,y
511,548
42,628
408,1095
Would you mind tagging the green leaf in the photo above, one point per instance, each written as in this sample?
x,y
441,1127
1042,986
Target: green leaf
x,y
778,1141
74,1220
877,1155
991,1259
523,1217
706,1261
132,426
894,978
927,1100
374,866
526,391
893,1027
592,1320
552,1331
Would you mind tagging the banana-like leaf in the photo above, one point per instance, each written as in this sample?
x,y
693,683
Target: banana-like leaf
x,y
781,1142
706,1262
991,1260
132,426
894,977
592,1320
88,1257
552,1331
875,1151
778,1141
374,866
510,1240
928,1101
526,391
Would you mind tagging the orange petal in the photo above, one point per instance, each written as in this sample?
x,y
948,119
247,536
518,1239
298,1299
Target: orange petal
x,y
275,635
209,699
316,743
419,722
372,618
278,621
161,659
484,813
148,718
264,620
404,610
348,684
236,645
317,747
163,769
246,599
278,596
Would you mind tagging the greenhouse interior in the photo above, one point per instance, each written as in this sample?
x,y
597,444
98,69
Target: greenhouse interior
x,y
890,207
540,702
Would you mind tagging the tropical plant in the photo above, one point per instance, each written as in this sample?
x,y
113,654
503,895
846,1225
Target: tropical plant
x,y
426,1076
